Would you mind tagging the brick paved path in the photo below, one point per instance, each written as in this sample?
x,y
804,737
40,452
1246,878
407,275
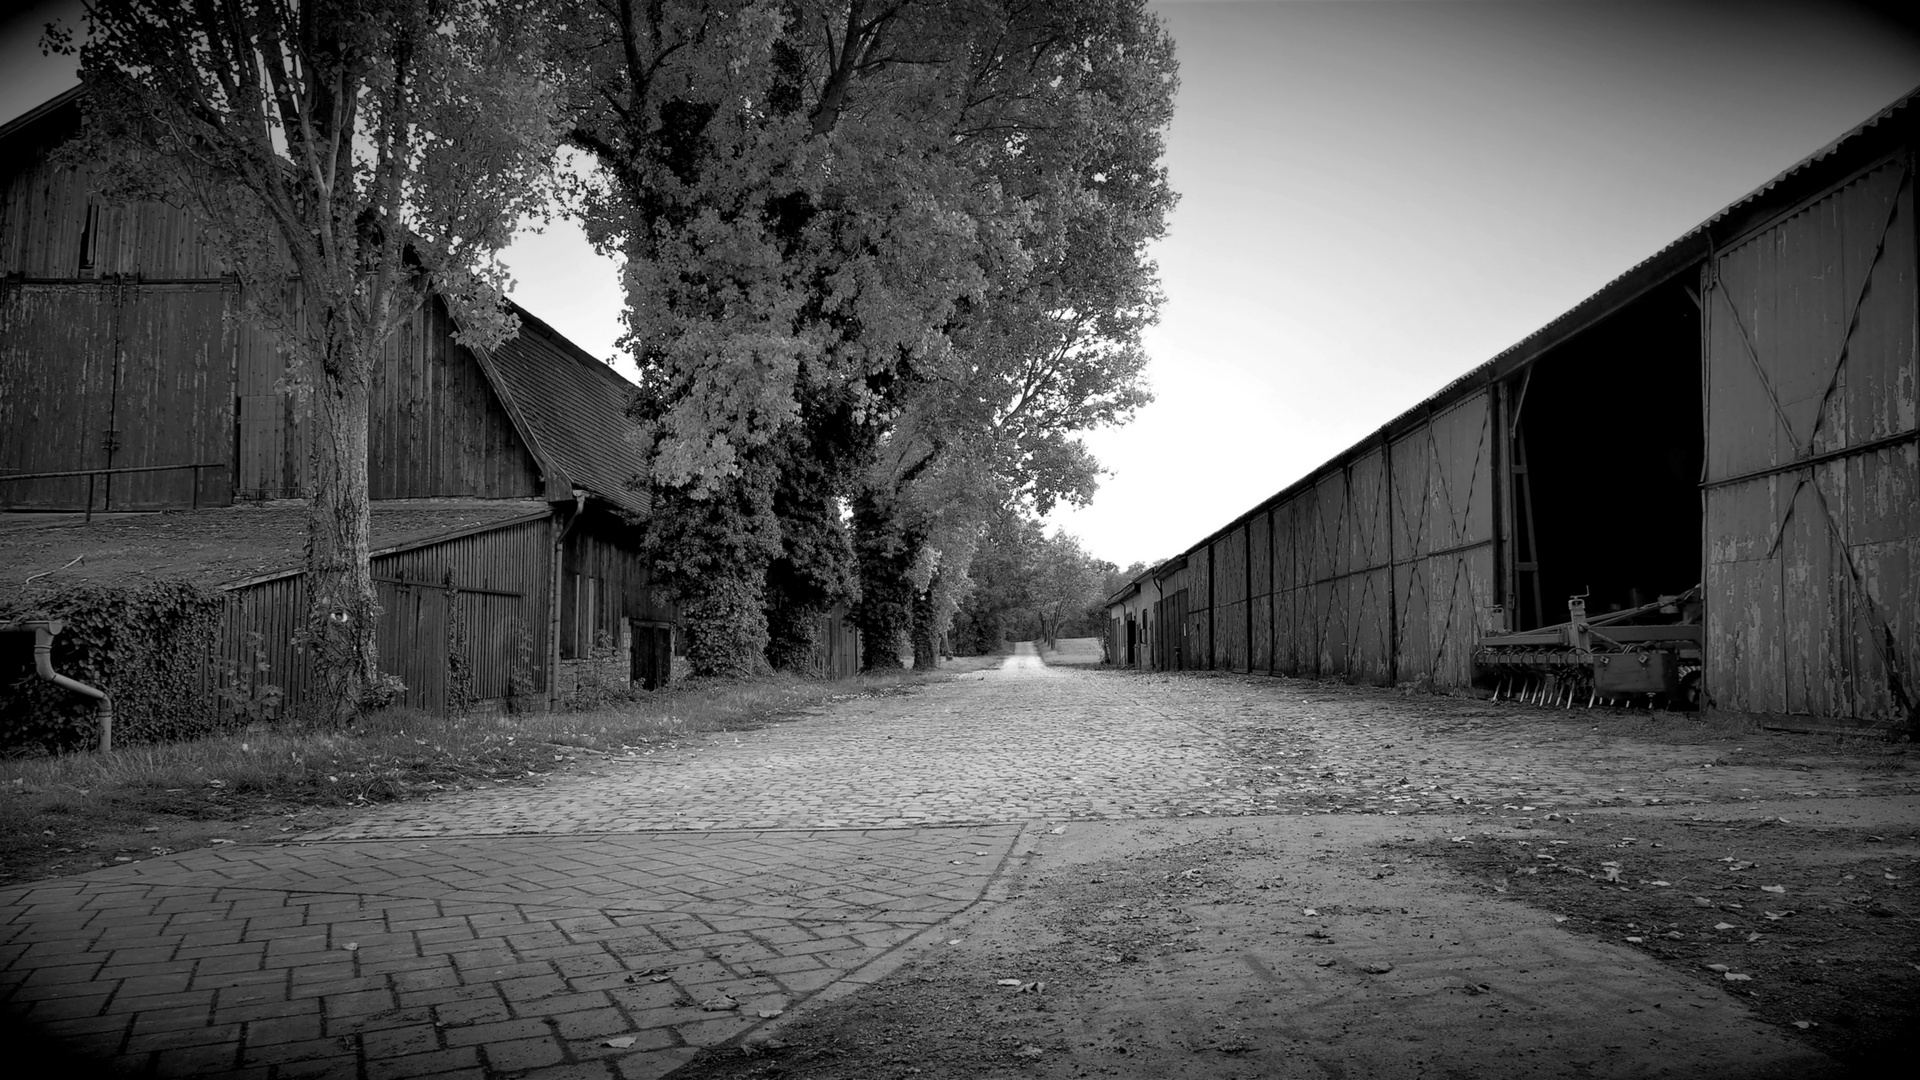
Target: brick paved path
x,y
517,932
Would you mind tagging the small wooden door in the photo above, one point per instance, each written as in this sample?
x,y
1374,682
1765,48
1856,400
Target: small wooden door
x,y
652,655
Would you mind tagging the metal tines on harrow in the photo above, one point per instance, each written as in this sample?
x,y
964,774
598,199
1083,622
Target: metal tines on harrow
x,y
1648,656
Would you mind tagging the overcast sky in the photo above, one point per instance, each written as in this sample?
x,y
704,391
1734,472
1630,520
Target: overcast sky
x,y
1375,197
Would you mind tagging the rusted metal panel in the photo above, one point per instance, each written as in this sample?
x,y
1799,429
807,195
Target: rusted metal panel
x,y
56,389
1813,517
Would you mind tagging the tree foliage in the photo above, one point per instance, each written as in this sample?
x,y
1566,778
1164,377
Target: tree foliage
x,y
837,212
1029,585
374,150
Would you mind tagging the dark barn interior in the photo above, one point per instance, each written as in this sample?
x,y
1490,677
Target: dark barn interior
x,y
1608,460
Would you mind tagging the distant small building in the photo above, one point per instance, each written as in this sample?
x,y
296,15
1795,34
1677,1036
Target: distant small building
x,y
1131,623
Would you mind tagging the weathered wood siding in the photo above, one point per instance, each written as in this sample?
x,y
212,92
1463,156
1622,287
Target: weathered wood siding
x,y
115,374
1813,470
499,598
1260,592
437,428
1377,570
1228,557
604,579
54,225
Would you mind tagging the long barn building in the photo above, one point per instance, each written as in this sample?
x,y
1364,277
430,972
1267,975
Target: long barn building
x,y
1736,412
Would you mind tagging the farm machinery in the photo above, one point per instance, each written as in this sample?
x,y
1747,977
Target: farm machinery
x,y
1645,656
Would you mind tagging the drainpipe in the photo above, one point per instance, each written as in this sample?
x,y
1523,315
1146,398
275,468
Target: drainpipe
x,y
43,634
559,581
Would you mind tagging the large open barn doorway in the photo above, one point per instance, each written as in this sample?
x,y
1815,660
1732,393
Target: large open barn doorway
x,y
1606,458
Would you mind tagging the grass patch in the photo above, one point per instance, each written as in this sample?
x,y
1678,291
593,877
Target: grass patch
x,y
76,812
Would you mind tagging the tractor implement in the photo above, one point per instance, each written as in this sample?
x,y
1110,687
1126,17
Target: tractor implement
x,y
1646,656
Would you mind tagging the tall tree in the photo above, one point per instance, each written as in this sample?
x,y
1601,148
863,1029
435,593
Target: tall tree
x,y
809,193
376,150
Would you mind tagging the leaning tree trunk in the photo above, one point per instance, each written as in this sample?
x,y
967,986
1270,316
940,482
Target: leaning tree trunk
x,y
342,613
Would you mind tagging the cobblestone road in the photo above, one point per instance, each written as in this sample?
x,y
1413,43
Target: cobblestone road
x,y
607,923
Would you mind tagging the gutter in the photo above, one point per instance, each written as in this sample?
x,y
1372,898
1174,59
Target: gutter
x,y
44,631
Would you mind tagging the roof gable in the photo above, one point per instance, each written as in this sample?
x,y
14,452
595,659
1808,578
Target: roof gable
x,y
573,409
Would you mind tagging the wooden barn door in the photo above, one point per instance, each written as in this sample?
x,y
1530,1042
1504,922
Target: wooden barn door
x,y
172,397
113,375
1813,469
56,389
652,655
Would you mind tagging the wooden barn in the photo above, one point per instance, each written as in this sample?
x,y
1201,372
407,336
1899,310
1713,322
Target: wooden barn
x,y
1740,412
503,507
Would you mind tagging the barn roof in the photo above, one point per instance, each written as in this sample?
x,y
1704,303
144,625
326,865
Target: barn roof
x,y
222,545
573,408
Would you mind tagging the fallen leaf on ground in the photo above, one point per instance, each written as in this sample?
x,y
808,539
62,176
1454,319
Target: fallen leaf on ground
x,y
1325,961
1734,976
1378,967
1776,915
1308,911
1721,968
1662,884
351,946
768,1014
719,1003
1028,1052
1773,888
1636,940
620,1043
1723,926
1804,1024
1006,982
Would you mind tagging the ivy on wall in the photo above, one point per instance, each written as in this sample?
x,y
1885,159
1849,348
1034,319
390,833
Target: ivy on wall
x,y
148,645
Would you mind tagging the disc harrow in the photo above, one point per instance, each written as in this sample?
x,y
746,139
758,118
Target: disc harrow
x,y
1646,657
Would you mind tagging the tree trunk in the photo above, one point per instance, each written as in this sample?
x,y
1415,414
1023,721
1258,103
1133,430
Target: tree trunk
x,y
342,613
926,646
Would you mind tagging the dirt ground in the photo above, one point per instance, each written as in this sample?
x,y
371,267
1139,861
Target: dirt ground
x,y
1688,937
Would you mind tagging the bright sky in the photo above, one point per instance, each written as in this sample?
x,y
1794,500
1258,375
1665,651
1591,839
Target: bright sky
x,y
1376,197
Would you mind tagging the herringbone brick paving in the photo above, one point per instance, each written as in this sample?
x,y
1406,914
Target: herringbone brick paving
x,y
517,932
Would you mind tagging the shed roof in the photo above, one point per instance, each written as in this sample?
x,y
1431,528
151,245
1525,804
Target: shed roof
x,y
219,546
574,409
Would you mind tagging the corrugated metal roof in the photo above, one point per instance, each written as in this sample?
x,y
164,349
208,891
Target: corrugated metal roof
x,y
574,408
221,545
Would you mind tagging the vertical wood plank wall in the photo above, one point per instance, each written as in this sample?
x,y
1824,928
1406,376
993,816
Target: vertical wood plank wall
x,y
1813,466
416,619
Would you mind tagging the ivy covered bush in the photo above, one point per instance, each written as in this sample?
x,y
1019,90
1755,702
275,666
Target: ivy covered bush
x,y
149,645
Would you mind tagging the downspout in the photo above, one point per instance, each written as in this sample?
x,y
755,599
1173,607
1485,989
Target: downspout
x,y
43,634
559,580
